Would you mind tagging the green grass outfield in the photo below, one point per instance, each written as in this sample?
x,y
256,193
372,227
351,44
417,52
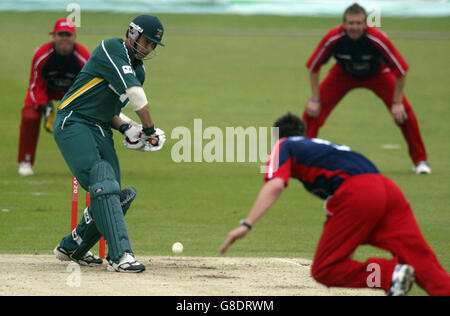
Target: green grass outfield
x,y
228,71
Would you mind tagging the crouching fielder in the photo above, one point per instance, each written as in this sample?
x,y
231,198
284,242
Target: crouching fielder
x,y
363,207
83,131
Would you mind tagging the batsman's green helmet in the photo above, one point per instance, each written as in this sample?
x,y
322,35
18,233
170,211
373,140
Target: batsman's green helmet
x,y
148,26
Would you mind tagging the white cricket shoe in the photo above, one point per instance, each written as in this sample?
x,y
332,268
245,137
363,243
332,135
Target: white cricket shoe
x,y
25,169
127,264
422,168
402,280
88,260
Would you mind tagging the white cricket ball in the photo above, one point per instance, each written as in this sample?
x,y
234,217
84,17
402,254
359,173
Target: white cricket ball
x,y
177,248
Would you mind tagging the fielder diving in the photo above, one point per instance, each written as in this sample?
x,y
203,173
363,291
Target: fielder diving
x,y
112,78
362,207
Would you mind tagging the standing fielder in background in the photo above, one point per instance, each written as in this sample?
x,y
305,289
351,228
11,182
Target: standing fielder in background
x,y
112,78
54,68
366,58
363,207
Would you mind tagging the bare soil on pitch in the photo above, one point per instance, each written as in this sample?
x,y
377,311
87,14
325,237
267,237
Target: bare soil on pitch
x,y
167,276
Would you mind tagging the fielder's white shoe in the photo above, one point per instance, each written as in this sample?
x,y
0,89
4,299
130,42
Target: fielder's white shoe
x,y
127,264
402,280
25,169
422,168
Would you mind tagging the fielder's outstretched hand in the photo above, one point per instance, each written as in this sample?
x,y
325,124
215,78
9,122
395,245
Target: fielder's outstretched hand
x,y
234,235
313,108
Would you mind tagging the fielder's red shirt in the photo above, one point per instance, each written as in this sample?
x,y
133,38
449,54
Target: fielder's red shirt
x,y
362,58
52,74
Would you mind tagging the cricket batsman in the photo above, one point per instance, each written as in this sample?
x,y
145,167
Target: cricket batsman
x,y
53,70
112,78
365,58
362,207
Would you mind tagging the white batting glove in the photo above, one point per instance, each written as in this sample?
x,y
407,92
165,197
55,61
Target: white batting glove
x,y
132,135
154,142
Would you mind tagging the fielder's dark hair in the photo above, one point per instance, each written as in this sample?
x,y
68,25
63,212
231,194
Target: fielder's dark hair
x,y
355,9
290,125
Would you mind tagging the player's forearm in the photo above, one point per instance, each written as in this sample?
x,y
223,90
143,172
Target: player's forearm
x,y
399,88
116,122
314,81
119,120
267,197
139,103
145,116
127,120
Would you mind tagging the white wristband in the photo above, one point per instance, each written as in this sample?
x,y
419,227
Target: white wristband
x,y
137,97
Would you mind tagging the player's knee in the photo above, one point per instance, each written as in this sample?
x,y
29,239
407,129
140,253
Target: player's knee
x,y
319,273
102,180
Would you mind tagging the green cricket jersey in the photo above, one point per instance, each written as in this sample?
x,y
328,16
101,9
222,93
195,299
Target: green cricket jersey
x,y
98,92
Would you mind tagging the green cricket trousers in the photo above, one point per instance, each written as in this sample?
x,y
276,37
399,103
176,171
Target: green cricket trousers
x,y
83,144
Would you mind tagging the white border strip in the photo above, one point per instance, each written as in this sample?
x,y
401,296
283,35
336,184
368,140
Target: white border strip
x,y
319,55
35,74
387,51
78,55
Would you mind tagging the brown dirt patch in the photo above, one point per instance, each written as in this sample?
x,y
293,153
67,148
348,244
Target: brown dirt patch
x,y
166,276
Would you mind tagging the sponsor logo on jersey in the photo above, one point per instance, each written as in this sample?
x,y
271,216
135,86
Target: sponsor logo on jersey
x,y
127,69
344,56
366,57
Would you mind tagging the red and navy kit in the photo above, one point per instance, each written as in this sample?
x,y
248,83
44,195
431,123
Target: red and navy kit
x,y
50,78
320,165
53,74
363,207
371,62
362,58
